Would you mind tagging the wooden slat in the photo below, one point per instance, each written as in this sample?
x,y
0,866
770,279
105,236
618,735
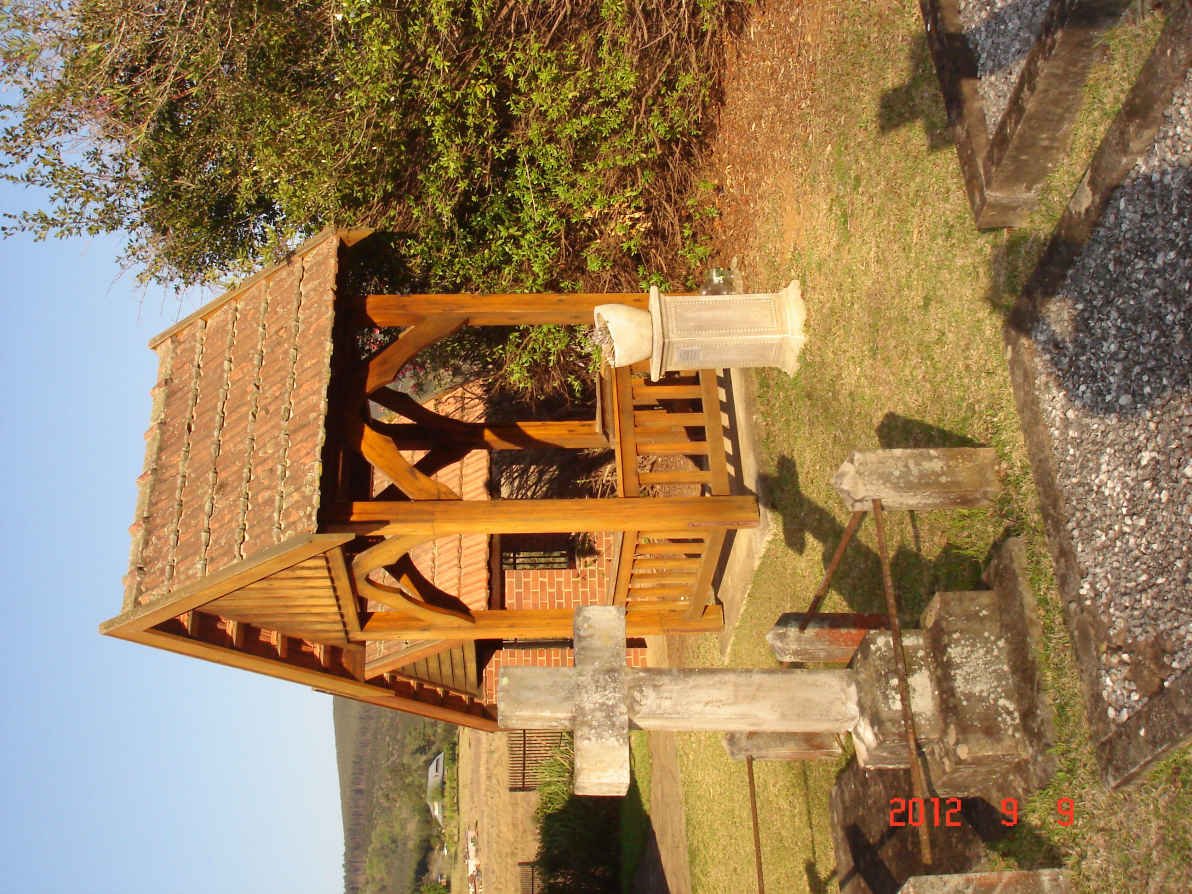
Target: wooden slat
x,y
638,593
624,567
670,549
345,592
408,655
272,587
213,586
626,451
471,672
643,419
313,565
536,624
702,589
649,447
256,599
324,612
680,476
291,627
658,578
717,458
328,619
644,392
646,564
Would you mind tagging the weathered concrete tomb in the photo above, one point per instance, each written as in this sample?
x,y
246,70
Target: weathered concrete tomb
x,y
300,518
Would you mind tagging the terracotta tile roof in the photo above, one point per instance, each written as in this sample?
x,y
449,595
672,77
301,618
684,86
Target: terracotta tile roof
x,y
233,451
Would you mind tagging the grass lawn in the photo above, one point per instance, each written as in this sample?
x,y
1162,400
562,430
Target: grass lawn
x,y
905,307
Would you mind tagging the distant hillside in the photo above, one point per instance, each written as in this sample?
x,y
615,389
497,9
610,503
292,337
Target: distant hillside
x,y
382,757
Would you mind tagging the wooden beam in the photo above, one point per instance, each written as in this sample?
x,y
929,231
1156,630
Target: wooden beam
x,y
683,516
335,684
567,435
387,553
272,667
200,592
381,452
701,590
428,429
554,623
495,309
386,364
345,593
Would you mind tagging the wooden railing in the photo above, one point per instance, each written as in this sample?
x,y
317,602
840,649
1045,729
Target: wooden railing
x,y
677,423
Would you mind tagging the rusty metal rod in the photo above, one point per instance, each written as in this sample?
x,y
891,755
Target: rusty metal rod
x,y
918,779
853,524
757,832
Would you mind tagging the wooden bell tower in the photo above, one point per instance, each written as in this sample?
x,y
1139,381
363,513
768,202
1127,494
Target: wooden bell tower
x,y
276,517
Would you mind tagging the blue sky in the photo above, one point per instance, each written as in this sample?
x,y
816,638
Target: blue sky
x,y
126,769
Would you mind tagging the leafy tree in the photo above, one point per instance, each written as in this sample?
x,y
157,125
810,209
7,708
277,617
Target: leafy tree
x,y
515,144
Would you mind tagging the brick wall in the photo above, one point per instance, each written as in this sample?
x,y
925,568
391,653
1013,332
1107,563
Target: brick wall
x,y
563,588
557,588
513,655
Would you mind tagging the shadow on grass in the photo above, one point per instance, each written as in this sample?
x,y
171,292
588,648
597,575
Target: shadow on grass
x,y
884,857
917,100
858,579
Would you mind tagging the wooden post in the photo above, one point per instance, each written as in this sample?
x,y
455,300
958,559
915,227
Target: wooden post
x,y
438,518
544,623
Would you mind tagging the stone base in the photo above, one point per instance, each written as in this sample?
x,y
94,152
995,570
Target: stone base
x,y
879,736
979,715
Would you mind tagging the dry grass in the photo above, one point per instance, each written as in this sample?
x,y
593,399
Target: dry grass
x,y
862,200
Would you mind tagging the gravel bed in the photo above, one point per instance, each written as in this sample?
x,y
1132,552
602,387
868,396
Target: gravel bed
x,y
1001,33
1116,395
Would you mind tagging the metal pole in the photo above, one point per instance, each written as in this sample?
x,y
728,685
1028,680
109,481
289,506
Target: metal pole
x,y
918,780
757,834
853,524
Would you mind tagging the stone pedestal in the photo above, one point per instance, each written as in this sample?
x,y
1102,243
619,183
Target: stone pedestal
x,y
970,699
727,331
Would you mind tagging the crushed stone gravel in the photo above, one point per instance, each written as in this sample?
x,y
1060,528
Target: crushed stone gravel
x,y
1001,33
1116,395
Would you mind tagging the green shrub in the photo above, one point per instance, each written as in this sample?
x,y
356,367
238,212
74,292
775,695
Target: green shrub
x,y
514,145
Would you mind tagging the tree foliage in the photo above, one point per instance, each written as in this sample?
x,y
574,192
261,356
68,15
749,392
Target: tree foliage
x,y
515,144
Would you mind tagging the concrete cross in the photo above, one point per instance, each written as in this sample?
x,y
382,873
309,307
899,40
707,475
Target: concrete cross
x,y
600,699
975,708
